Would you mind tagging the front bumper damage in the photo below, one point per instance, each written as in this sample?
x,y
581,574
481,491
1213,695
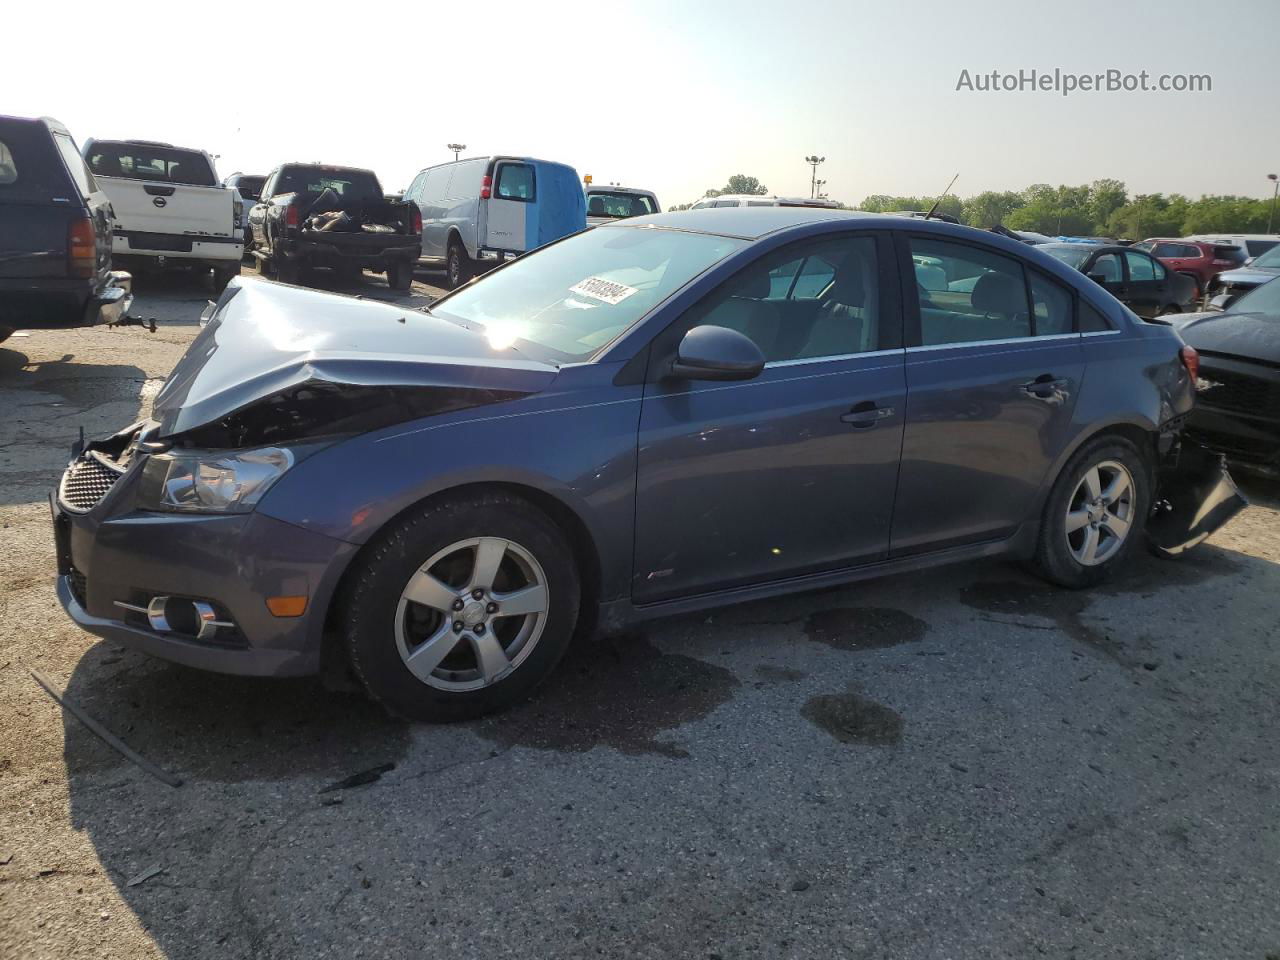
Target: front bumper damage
x,y
1195,497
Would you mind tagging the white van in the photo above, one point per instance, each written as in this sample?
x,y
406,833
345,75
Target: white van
x,y
479,212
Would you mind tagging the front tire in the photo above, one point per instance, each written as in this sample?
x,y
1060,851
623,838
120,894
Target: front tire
x,y
461,608
1094,514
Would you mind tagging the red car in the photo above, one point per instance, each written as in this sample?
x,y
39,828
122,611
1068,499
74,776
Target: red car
x,y
1199,261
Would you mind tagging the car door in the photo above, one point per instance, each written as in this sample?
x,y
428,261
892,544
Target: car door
x,y
793,471
991,381
435,189
258,212
1147,286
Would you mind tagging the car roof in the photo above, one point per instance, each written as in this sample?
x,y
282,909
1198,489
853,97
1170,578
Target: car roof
x,y
749,223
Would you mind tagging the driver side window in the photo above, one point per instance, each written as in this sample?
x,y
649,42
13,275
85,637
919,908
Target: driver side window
x,y
809,301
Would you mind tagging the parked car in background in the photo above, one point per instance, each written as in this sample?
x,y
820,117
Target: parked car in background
x,y
1237,407
249,186
1228,286
55,233
313,215
479,212
394,488
169,208
606,203
1253,244
756,200
1197,259
1134,277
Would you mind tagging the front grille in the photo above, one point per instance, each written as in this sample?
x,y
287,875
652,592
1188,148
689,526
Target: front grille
x,y
1240,392
86,482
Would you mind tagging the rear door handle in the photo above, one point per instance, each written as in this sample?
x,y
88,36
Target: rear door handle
x,y
866,415
1044,386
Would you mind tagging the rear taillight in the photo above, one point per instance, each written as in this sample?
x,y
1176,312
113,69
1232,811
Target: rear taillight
x,y
486,187
82,248
291,216
1191,360
417,219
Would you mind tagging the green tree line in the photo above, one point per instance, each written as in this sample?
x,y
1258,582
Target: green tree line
x,y
1102,208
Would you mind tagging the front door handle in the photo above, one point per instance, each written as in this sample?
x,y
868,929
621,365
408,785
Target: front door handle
x,y
866,415
1044,386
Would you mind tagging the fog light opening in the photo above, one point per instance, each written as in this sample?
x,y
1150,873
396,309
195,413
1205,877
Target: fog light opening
x,y
287,606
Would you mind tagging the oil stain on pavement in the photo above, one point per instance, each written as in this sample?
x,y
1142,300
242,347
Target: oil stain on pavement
x,y
619,692
863,628
851,718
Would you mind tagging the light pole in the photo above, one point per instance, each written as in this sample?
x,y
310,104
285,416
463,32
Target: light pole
x,y
817,192
457,148
1275,188
813,161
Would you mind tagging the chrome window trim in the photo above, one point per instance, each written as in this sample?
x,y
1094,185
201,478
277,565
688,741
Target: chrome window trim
x,y
1100,333
772,364
1007,341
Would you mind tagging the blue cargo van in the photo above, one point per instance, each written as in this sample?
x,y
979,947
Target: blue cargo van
x,y
479,212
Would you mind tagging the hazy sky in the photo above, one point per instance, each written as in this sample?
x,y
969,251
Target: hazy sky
x,y
671,96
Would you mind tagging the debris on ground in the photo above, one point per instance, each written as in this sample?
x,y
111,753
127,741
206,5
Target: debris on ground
x,y
140,878
372,775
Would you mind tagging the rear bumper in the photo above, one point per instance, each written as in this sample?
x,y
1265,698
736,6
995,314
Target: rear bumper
x,y
1196,496
175,246
111,303
322,253
497,255
57,303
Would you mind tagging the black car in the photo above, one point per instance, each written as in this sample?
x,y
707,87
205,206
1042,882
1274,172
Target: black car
x,y
55,233
314,215
1134,277
1237,409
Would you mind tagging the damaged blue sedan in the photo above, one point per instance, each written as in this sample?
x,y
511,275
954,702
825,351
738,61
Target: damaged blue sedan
x,y
652,417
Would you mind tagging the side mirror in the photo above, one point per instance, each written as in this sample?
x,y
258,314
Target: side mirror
x,y
1099,279
1220,302
716,353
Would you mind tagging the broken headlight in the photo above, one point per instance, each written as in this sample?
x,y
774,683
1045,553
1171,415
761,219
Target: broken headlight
x,y
211,482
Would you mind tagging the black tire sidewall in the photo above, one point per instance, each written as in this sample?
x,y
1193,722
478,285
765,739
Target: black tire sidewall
x,y
383,569
1053,558
461,275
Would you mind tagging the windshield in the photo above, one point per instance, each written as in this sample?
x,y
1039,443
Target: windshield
x,y
601,203
568,300
1263,299
140,161
1269,259
349,184
1072,254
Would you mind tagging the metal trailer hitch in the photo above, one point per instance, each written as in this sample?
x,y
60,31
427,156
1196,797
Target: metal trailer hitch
x,y
149,324
1196,496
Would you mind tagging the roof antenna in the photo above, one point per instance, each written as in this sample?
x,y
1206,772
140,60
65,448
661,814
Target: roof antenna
x,y
934,208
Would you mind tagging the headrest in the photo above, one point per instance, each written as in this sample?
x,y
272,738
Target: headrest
x,y
753,284
849,287
999,293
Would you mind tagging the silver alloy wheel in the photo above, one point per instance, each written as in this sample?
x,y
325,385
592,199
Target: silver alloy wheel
x,y
472,614
1100,513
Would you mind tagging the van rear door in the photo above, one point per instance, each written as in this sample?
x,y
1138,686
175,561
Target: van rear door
x,y
511,207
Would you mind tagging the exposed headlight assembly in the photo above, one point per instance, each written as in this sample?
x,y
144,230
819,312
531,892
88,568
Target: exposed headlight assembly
x,y
205,481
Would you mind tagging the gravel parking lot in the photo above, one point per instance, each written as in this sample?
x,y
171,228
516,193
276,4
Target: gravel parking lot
x,y
960,763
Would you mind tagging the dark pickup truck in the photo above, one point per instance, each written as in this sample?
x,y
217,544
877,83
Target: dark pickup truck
x,y
311,215
55,234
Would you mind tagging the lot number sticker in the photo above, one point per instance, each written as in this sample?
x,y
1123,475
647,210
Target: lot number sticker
x,y
603,290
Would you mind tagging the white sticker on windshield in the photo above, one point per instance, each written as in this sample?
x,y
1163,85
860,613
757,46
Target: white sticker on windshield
x,y
605,290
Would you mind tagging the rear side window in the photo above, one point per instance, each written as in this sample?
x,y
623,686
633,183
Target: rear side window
x,y
75,164
140,161
515,182
1167,250
8,166
967,294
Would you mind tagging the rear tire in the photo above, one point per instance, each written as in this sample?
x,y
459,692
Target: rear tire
x,y
1095,514
287,271
400,275
458,266
224,275
447,653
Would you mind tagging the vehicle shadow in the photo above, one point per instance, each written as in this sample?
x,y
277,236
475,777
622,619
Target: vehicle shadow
x,y
47,403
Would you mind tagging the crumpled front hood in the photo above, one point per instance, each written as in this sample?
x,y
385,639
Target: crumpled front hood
x,y
1252,336
269,338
